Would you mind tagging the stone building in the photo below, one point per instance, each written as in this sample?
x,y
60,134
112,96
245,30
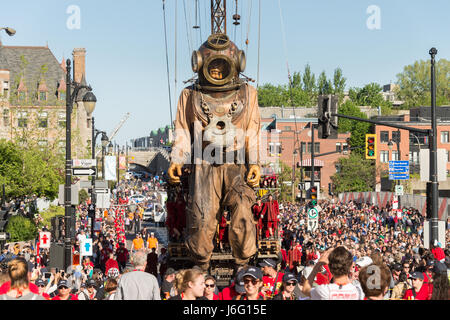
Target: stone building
x,y
33,99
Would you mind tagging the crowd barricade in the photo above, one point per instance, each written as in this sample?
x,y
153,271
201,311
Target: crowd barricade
x,y
383,199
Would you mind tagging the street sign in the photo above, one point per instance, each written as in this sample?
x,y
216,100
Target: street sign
x,y
84,163
399,170
101,184
86,247
84,171
44,240
313,213
98,190
313,224
398,190
399,176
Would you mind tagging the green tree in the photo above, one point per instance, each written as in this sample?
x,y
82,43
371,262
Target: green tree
x,y
270,95
21,229
414,84
309,80
370,95
357,129
356,174
339,83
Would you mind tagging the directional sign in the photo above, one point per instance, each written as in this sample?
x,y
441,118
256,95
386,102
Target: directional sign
x,y
313,213
86,247
84,163
98,190
399,176
83,171
44,240
313,224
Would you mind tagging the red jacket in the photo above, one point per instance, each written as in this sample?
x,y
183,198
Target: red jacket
x,y
438,253
228,293
111,263
423,294
271,211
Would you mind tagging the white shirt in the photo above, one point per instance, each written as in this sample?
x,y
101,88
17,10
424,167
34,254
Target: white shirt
x,y
81,237
333,292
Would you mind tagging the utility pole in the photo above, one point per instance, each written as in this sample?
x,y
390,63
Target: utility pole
x,y
312,155
433,154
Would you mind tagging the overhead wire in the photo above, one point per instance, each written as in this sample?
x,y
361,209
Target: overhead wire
x,y
248,25
259,44
167,63
189,39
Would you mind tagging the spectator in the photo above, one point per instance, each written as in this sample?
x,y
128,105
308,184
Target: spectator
x,y
167,286
137,243
235,288
190,285
19,286
152,242
43,286
419,290
287,288
374,289
272,278
400,288
340,261
252,278
152,263
89,292
110,288
137,284
122,256
441,287
64,291
210,286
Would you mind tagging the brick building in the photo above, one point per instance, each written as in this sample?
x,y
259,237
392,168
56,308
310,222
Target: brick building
x,y
410,143
279,144
33,98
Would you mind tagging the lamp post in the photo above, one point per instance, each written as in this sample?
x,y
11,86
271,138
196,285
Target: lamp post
x,y
105,141
294,154
89,101
418,142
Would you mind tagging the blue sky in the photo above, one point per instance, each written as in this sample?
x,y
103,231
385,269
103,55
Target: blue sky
x,y
126,62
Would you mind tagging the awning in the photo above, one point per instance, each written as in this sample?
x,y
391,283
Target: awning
x,y
317,163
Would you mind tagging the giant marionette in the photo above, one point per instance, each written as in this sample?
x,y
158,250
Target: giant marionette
x,y
217,132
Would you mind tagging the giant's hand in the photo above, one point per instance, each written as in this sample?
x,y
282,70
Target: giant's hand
x,y
254,175
174,173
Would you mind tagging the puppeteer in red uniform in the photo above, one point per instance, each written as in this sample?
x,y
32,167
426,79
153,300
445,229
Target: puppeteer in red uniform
x,y
270,216
223,230
257,210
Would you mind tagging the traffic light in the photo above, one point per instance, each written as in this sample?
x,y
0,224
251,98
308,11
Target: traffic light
x,y
313,195
327,105
371,146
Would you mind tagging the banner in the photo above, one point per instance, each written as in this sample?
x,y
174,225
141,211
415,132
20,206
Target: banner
x,y
122,163
110,168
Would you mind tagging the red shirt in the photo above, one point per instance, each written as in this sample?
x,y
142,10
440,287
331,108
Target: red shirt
x,y
423,294
228,293
438,253
270,283
7,285
71,297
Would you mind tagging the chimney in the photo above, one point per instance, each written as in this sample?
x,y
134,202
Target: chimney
x,y
79,64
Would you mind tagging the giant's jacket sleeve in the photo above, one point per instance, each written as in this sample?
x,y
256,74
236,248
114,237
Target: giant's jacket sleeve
x,y
181,149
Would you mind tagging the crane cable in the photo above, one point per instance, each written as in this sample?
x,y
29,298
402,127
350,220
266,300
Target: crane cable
x,y
248,25
296,142
259,43
167,64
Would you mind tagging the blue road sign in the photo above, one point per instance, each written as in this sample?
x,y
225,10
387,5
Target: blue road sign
x,y
399,170
86,248
399,176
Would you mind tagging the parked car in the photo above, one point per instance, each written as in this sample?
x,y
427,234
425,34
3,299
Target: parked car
x,y
148,215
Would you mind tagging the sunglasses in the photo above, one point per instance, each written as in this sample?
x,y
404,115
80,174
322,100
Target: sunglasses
x,y
253,281
292,283
210,285
64,287
41,286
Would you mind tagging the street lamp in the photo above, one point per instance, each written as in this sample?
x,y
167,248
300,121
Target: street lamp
x,y
110,148
9,31
70,97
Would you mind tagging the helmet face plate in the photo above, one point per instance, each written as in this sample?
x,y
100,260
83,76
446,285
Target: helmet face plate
x,y
218,61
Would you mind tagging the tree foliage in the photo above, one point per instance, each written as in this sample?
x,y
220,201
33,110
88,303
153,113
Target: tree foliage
x,y
28,169
21,229
356,174
414,84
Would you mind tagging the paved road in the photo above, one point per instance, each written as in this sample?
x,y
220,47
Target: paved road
x,y
160,234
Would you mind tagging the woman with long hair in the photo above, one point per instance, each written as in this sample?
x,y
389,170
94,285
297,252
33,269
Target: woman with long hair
x,y
287,288
210,286
190,285
19,289
441,286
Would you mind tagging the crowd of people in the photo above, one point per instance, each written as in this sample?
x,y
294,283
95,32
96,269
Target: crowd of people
x,y
337,260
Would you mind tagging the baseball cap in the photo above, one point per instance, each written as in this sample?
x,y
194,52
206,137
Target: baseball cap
x,y
268,263
40,282
364,261
430,263
289,277
239,282
91,282
417,275
254,272
170,271
63,283
397,267
439,267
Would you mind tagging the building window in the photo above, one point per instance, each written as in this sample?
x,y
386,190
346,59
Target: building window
x,y
345,146
61,146
22,96
274,149
62,95
338,147
316,147
384,136
394,155
384,156
42,144
444,136
303,147
287,128
396,136
62,119
42,96
6,117
43,120
22,121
